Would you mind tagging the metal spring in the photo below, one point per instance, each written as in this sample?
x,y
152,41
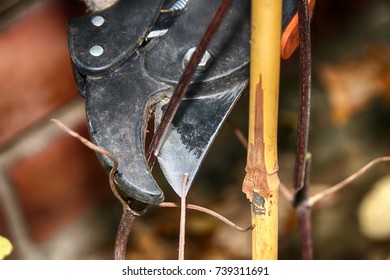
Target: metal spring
x,y
179,5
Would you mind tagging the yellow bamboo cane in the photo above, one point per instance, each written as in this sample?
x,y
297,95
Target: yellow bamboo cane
x,y
261,183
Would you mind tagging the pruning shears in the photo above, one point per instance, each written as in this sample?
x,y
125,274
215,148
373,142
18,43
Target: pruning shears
x,y
127,60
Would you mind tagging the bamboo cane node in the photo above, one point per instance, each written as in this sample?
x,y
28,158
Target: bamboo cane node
x,y
254,181
259,181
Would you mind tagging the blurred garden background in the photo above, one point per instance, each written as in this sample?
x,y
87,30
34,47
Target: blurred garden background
x,y
55,201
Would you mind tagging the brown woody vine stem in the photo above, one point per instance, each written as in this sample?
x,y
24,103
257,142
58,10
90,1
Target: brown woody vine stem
x,y
302,164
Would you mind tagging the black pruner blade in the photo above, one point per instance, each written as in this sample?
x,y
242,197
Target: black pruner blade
x,y
221,79
109,69
193,130
123,74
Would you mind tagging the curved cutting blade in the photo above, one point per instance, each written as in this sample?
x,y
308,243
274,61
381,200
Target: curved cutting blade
x,y
193,130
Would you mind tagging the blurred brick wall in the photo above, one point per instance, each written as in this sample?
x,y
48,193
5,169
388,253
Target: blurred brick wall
x,y
48,180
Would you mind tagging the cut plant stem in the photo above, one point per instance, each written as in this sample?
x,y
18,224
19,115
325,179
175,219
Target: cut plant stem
x,y
124,229
183,207
261,183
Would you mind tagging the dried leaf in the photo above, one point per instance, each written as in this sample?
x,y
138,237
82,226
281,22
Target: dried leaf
x,y
352,84
5,247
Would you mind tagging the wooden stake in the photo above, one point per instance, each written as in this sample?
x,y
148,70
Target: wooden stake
x,y
261,183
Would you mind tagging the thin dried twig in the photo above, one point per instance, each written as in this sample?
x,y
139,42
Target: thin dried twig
x,y
97,149
122,235
315,198
207,211
286,192
237,131
128,214
182,235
